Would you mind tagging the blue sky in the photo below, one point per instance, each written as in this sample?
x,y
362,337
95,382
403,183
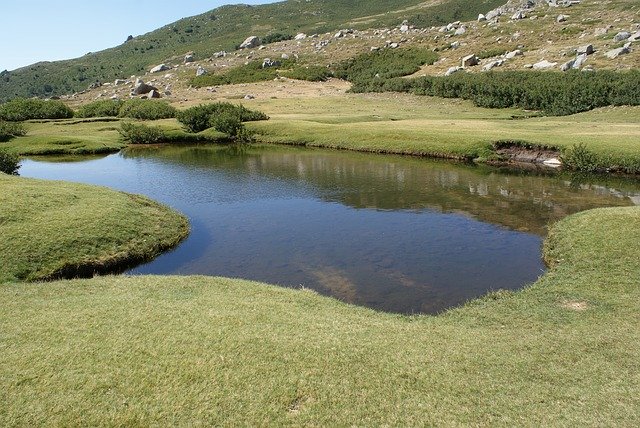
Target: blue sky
x,y
49,30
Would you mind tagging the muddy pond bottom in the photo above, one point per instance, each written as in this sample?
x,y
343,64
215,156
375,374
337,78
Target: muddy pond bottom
x,y
392,233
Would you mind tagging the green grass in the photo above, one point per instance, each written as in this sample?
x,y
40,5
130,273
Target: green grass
x,y
405,124
78,137
51,229
143,351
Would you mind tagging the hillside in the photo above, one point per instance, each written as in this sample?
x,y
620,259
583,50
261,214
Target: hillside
x,y
223,29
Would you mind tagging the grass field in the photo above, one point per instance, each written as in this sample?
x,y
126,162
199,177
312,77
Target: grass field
x,y
50,229
120,351
395,123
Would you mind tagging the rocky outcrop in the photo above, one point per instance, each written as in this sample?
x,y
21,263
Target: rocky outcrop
x,y
201,71
141,88
544,64
470,61
250,42
615,53
160,68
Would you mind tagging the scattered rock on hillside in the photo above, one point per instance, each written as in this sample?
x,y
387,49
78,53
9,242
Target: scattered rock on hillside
x,y
201,71
586,49
621,36
615,53
300,36
268,62
561,18
250,42
220,54
453,70
159,68
460,31
513,54
190,57
481,18
493,64
543,65
119,82
154,94
518,16
634,37
470,61
142,88
249,97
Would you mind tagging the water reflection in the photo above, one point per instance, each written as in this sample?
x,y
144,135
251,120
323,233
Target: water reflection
x,y
394,233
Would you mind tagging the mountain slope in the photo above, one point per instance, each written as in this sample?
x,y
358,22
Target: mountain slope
x,y
223,29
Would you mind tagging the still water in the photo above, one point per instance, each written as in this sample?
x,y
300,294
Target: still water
x,y
393,233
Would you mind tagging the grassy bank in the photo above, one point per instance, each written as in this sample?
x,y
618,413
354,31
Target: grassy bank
x,y
50,229
94,136
212,351
406,124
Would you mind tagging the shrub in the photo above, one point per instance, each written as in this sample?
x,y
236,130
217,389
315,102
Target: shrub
x,y
227,123
384,64
141,134
8,130
313,73
9,162
578,158
146,110
276,37
250,73
102,108
199,118
20,109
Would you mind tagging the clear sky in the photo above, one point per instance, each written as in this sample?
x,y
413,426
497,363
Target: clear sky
x,y
49,30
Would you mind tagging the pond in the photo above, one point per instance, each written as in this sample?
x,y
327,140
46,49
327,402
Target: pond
x,y
397,234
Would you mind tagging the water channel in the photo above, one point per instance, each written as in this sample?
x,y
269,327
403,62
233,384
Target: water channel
x,y
397,234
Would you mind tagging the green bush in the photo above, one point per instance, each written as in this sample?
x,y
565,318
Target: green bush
x,y
141,134
146,110
8,130
578,158
102,108
384,64
554,93
227,123
250,73
20,109
199,118
275,37
312,73
9,162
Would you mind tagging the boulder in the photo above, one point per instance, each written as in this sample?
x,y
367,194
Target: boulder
x,y
602,30
249,97
513,54
220,54
561,18
470,61
189,58
493,64
481,18
394,45
493,14
142,88
300,36
518,16
201,71
621,36
543,65
250,42
586,49
579,61
267,62
154,94
460,31
615,53
453,70
567,65
159,68
634,37
284,56
455,45
119,82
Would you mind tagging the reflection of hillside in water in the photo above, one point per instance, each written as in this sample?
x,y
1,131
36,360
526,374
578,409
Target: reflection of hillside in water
x,y
521,201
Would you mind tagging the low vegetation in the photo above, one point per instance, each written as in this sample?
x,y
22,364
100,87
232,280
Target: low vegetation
x,y
9,130
138,133
56,229
20,109
553,93
212,351
100,108
9,162
250,73
384,64
147,109
204,116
